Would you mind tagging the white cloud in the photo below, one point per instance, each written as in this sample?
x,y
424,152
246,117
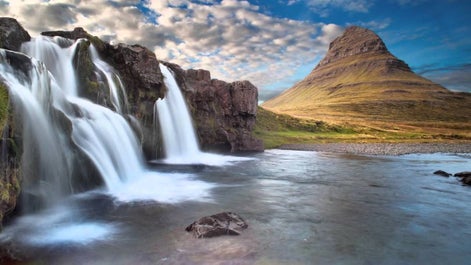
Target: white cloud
x,y
230,38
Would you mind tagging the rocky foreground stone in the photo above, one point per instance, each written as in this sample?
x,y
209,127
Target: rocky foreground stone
x,y
225,223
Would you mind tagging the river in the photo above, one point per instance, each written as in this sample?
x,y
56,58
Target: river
x,y
301,207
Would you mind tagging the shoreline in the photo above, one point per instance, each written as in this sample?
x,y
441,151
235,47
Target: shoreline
x,y
382,148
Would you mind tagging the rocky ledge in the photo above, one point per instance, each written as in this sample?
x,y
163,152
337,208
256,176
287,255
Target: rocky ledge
x,y
224,113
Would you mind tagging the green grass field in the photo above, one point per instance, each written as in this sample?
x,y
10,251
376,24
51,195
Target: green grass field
x,y
278,129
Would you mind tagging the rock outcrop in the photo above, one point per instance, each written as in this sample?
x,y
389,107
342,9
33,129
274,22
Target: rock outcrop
x,y
12,34
225,223
224,113
359,80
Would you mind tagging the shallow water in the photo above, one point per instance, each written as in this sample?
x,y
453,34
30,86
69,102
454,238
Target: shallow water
x,y
301,207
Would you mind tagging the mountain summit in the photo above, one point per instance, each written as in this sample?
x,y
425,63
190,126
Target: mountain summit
x,y
359,80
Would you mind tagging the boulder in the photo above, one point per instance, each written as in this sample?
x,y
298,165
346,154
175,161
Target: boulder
x,y
12,34
465,177
442,173
463,174
466,180
225,223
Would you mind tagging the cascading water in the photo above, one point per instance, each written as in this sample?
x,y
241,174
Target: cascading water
x,y
179,137
60,128
103,135
46,99
45,176
116,87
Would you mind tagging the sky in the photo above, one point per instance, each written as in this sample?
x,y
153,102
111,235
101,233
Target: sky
x,y
272,43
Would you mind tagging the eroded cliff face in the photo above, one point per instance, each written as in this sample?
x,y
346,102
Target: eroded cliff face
x,y
12,35
224,113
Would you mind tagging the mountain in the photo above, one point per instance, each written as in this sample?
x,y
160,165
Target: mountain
x,y
360,81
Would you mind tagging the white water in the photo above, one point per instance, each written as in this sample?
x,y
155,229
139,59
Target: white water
x,y
53,115
44,174
102,134
179,138
115,85
57,60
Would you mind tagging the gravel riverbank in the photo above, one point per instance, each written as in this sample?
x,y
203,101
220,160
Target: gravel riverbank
x,y
383,148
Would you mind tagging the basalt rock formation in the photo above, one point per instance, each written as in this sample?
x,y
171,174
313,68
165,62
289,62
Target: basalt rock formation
x,y
359,80
224,113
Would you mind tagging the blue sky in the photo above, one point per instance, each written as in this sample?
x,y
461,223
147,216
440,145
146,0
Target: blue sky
x,y
272,43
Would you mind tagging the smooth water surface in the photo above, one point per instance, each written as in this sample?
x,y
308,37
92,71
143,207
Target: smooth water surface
x,y
301,207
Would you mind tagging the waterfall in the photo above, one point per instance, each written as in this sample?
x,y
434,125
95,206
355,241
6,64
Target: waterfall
x,y
31,91
176,126
179,138
58,60
46,96
115,85
59,128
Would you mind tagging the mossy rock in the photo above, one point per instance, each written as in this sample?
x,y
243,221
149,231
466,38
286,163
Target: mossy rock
x,y
4,105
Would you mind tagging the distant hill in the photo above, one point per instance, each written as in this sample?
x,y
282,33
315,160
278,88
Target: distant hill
x,y
360,82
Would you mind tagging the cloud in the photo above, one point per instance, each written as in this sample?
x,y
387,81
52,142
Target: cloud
x,y
374,24
231,38
323,6
457,78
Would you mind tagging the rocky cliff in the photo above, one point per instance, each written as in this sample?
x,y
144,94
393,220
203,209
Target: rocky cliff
x,y
224,113
359,80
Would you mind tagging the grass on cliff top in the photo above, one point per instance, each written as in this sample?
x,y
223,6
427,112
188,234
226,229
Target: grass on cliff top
x,y
278,129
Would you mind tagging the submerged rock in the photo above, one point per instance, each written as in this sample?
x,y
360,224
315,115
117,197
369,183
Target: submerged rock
x,y
442,173
225,223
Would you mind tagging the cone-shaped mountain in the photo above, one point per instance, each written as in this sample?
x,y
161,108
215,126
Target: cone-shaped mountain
x,y
360,80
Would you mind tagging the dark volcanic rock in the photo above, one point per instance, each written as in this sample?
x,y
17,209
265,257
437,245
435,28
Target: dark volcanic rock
x,y
442,173
224,113
465,177
466,180
77,33
12,34
463,174
225,223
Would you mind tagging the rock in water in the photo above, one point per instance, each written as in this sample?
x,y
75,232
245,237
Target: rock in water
x,y
442,173
463,174
225,223
465,177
